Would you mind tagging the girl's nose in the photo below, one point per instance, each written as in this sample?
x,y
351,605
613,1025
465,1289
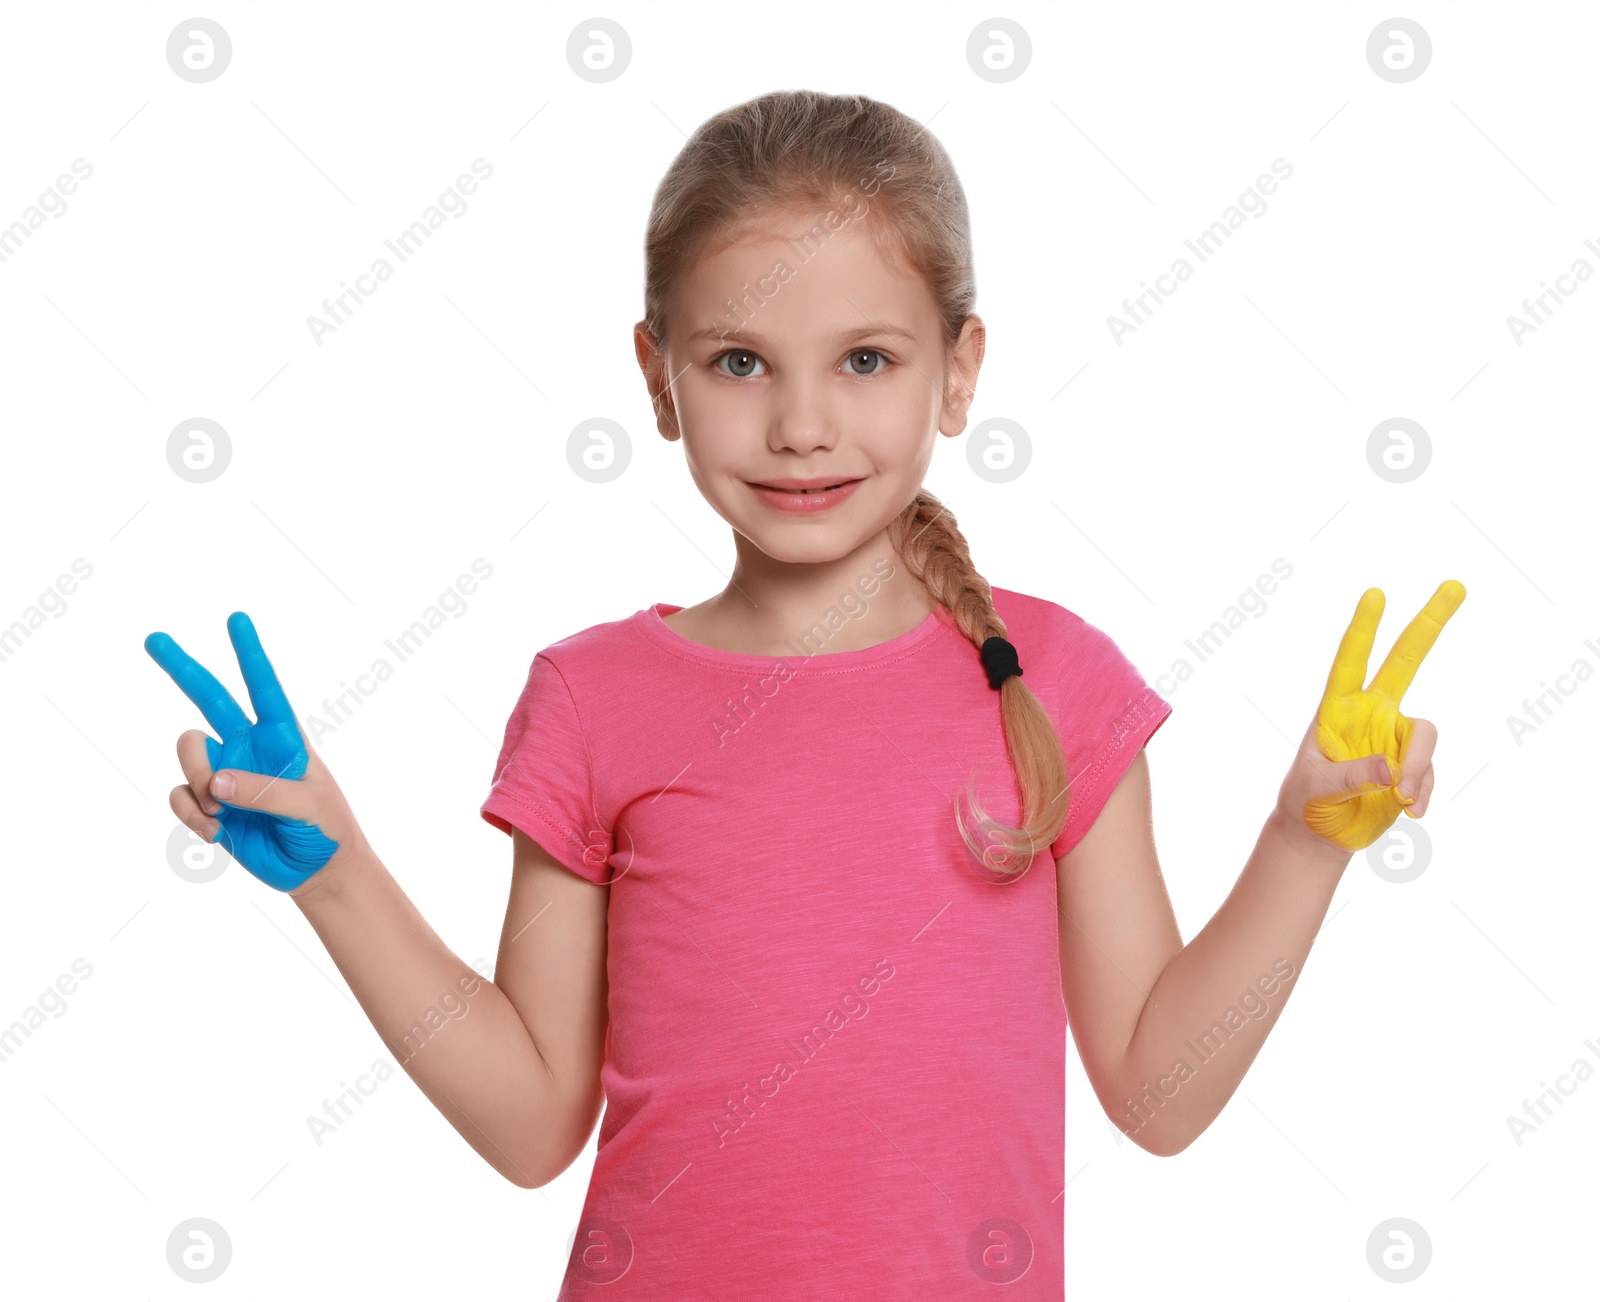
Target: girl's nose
x,y
802,417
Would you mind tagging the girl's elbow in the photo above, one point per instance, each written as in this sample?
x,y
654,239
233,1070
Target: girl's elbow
x,y
522,1179
1168,1145
557,1146
530,1173
1161,1141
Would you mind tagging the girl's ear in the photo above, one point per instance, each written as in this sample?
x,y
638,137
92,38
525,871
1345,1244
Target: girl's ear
x,y
961,383
653,362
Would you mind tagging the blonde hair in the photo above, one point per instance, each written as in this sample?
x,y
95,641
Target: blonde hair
x,y
791,149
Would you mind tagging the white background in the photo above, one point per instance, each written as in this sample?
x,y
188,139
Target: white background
x,y
369,471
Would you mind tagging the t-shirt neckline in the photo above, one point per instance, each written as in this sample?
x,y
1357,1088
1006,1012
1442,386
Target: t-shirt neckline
x,y
652,622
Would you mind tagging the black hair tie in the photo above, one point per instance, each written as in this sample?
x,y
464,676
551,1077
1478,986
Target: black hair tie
x,y
999,661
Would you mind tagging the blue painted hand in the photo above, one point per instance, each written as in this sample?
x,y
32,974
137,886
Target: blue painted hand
x,y
268,821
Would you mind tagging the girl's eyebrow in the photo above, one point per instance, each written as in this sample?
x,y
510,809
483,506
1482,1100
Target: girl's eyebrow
x,y
871,328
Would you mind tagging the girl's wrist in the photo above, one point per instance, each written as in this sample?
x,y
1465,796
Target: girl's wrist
x,y
346,873
1301,844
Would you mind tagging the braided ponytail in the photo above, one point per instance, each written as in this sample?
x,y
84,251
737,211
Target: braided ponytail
x,y
927,538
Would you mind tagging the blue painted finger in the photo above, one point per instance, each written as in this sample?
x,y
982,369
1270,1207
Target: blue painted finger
x,y
196,682
266,695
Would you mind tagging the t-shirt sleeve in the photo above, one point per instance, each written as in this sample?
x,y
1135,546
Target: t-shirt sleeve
x,y
1108,712
543,780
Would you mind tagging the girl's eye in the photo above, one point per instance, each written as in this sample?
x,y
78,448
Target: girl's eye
x,y
742,363
743,366
866,355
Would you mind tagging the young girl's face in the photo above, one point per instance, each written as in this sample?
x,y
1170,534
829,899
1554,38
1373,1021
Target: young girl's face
x,y
833,367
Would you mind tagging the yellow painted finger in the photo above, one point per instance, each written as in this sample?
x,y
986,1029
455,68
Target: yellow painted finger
x,y
1349,672
1416,640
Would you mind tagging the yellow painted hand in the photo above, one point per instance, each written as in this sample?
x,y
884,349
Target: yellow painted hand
x,y
1354,722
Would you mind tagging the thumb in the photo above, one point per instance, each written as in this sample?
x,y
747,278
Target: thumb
x,y
266,792
1356,777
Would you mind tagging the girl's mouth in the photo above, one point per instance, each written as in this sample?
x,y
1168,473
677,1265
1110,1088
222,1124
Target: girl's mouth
x,y
806,501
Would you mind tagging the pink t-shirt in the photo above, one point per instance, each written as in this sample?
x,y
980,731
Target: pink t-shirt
x,y
836,1057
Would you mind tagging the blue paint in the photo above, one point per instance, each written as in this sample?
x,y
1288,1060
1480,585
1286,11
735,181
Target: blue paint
x,y
283,852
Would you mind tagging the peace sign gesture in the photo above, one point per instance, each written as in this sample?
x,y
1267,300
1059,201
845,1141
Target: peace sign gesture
x,y
268,818
1383,759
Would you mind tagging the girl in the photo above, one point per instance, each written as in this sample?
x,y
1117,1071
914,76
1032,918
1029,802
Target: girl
x,y
776,896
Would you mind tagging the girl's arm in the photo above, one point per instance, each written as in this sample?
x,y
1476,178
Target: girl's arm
x,y
513,1064
1167,1030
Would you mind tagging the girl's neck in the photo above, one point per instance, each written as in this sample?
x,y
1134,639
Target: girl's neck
x,y
736,621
